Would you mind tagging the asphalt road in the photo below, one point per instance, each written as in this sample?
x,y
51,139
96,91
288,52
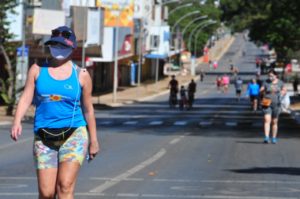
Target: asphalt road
x,y
213,151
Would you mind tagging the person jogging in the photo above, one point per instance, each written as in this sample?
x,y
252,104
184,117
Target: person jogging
x,y
225,83
253,92
64,124
272,90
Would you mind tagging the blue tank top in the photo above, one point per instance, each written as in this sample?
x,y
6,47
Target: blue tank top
x,y
253,89
57,101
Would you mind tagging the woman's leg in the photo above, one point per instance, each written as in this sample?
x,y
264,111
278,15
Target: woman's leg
x,y
274,127
47,183
66,180
255,104
46,160
267,123
71,156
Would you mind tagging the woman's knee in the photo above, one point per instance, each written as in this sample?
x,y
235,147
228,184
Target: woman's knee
x,y
275,121
65,186
267,119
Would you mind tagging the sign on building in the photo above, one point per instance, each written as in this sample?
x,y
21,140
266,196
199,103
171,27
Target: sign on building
x,y
117,12
45,20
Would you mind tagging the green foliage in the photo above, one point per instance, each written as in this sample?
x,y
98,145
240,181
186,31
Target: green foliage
x,y
8,51
270,21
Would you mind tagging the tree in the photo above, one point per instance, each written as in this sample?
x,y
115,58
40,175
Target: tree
x,y
271,21
7,50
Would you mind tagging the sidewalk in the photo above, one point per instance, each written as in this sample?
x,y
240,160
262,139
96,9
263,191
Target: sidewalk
x,y
146,91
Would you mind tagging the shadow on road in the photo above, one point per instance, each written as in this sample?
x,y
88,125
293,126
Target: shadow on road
x,y
269,170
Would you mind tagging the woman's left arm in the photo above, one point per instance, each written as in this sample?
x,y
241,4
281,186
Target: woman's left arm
x,y
88,111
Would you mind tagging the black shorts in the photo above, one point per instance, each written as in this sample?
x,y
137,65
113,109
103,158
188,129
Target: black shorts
x,y
254,97
238,92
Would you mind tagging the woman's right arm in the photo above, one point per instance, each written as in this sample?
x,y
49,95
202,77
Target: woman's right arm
x,y
24,102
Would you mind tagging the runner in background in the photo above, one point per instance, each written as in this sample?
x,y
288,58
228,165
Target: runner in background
x,y
219,82
225,83
238,88
253,93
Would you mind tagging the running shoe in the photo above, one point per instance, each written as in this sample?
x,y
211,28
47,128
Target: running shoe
x,y
274,140
267,140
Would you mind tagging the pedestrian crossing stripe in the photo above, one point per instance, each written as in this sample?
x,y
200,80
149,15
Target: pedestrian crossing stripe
x,y
180,123
130,122
156,123
205,123
105,123
5,123
231,123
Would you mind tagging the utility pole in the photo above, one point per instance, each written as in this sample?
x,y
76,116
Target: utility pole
x,y
84,35
116,58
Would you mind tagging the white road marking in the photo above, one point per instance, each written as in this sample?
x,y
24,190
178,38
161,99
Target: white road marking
x,y
180,123
109,179
17,178
12,186
14,143
121,177
174,141
106,123
5,123
131,123
231,124
154,123
205,123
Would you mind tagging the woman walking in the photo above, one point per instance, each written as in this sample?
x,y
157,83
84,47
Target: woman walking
x,y
272,91
61,138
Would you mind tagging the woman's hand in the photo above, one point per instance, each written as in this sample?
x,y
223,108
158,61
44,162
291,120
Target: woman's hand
x,y
16,131
93,149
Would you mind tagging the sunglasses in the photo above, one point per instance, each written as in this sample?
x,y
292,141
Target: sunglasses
x,y
57,33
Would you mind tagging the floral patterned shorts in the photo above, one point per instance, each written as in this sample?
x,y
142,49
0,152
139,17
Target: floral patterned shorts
x,y
49,155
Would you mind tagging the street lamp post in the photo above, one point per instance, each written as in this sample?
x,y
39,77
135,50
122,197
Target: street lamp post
x,y
196,28
179,7
197,34
183,17
116,46
183,33
200,26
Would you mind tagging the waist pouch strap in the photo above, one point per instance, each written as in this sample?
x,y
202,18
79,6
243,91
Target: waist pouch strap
x,y
55,134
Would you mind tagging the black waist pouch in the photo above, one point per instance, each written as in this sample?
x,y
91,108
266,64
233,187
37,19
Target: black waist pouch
x,y
55,134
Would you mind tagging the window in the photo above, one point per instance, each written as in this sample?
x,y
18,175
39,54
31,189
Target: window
x,y
154,41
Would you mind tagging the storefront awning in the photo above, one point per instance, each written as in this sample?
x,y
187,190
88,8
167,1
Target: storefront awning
x,y
156,56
